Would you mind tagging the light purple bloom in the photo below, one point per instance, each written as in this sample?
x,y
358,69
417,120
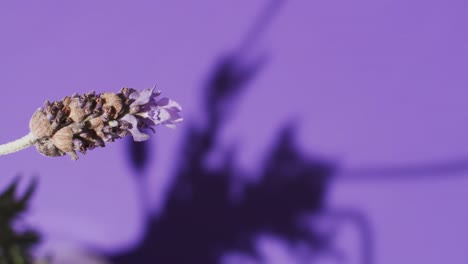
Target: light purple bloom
x,y
143,97
147,110
163,111
166,112
134,128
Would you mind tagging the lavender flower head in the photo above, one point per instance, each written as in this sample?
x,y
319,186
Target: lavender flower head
x,y
80,123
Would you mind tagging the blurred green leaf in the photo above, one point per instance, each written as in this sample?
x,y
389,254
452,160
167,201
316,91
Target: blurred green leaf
x,y
15,244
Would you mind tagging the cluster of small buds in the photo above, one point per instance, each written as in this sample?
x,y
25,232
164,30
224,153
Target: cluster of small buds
x,y
81,123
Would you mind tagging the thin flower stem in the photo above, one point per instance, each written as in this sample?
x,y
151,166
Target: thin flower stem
x,y
17,145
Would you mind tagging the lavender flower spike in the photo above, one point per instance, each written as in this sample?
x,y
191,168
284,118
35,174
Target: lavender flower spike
x,y
81,123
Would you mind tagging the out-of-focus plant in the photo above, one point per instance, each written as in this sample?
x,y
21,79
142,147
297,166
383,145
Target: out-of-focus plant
x,y
15,242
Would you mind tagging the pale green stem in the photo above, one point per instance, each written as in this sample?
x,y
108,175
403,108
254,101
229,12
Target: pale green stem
x,y
18,144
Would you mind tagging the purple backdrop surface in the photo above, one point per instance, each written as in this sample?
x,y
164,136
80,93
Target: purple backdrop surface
x,y
372,82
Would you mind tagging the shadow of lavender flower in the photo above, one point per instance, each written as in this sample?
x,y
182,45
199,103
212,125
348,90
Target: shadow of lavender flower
x,y
203,218
201,221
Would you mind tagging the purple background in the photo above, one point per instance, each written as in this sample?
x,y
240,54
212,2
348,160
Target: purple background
x,y
371,82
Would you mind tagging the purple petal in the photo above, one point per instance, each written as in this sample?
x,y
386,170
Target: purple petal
x,y
168,103
166,116
136,133
141,97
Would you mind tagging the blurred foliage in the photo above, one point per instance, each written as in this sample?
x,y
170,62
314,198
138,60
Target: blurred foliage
x,y
15,242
